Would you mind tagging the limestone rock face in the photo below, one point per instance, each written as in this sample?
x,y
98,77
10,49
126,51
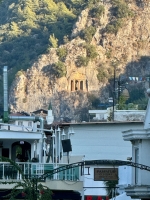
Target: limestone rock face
x,y
81,23
69,95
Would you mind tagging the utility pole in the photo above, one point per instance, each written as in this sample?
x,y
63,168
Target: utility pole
x,y
114,86
119,88
115,63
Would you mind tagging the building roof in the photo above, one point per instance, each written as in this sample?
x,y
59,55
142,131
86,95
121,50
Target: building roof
x,y
20,114
63,124
40,111
103,122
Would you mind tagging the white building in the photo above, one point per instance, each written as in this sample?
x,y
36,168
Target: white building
x,y
140,139
99,141
119,115
90,141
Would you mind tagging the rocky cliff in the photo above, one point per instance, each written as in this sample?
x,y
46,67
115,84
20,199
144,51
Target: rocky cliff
x,y
121,43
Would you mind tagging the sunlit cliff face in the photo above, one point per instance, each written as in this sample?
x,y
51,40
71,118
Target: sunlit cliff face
x,y
69,94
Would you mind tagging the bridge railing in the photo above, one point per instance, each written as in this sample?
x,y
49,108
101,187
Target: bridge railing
x,y
9,172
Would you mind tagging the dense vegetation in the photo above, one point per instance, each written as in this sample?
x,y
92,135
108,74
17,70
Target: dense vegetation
x,y
29,28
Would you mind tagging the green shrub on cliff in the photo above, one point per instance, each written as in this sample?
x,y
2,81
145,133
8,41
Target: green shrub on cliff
x,y
121,9
59,69
91,51
88,33
82,61
97,11
91,54
114,26
53,41
62,53
102,75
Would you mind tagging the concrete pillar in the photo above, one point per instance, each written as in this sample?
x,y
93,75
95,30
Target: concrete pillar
x,y
81,85
72,85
